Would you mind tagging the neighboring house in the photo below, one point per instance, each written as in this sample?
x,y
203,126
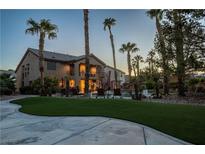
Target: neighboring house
x,y
10,72
110,76
62,66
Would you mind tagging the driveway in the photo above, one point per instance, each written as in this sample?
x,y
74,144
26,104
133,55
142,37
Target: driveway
x,y
20,128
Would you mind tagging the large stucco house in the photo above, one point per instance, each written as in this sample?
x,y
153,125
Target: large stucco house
x,y
63,65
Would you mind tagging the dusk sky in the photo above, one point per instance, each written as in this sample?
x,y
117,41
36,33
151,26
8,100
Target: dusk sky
x,y
132,25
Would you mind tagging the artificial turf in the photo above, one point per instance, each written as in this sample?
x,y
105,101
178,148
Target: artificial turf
x,y
186,122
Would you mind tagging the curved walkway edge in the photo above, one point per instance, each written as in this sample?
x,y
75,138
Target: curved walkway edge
x,y
21,128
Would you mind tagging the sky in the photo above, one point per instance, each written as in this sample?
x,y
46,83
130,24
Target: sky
x,y
131,26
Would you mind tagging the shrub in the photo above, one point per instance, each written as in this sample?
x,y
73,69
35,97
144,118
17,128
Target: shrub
x,y
26,90
5,91
193,81
7,84
50,85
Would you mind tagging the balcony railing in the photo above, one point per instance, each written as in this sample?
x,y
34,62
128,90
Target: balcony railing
x,y
82,74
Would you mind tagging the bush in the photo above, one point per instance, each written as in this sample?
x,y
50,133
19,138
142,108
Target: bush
x,y
26,90
50,85
194,81
5,91
7,84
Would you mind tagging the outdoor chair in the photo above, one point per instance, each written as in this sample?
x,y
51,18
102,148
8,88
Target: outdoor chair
x,y
100,93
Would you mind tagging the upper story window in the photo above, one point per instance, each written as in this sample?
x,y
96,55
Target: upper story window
x,y
93,71
72,70
51,65
82,69
27,68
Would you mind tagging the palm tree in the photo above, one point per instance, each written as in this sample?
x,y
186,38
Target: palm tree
x,y
150,59
138,59
108,23
135,61
87,51
157,14
44,29
129,48
134,66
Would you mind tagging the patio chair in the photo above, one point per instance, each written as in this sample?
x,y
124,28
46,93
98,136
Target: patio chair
x,y
100,93
117,92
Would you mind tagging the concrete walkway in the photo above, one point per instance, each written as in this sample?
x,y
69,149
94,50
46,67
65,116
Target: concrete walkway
x,y
20,128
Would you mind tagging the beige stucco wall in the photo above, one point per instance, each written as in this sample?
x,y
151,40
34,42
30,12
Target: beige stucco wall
x,y
120,75
34,73
60,72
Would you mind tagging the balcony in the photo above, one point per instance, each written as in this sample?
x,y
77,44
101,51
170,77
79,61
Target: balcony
x,y
82,74
91,75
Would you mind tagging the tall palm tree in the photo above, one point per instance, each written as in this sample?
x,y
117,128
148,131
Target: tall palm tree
x,y
108,23
44,29
129,48
87,51
157,14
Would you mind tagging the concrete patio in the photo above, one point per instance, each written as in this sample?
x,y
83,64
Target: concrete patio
x,y
20,128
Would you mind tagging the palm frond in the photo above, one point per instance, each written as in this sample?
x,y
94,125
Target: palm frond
x,y
122,50
52,35
33,28
109,22
31,31
135,50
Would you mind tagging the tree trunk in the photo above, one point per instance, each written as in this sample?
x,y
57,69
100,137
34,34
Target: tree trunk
x,y
41,62
152,66
150,72
129,65
134,69
136,87
164,57
179,51
157,89
138,69
113,53
87,51
67,89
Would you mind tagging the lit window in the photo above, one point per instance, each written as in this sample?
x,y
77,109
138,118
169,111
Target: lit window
x,y
93,71
82,70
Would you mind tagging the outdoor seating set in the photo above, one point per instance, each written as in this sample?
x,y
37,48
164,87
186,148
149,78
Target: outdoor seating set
x,y
111,94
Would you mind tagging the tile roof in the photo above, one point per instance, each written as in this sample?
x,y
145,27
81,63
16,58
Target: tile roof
x,y
57,56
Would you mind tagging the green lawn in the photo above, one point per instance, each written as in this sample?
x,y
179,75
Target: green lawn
x,y
186,122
